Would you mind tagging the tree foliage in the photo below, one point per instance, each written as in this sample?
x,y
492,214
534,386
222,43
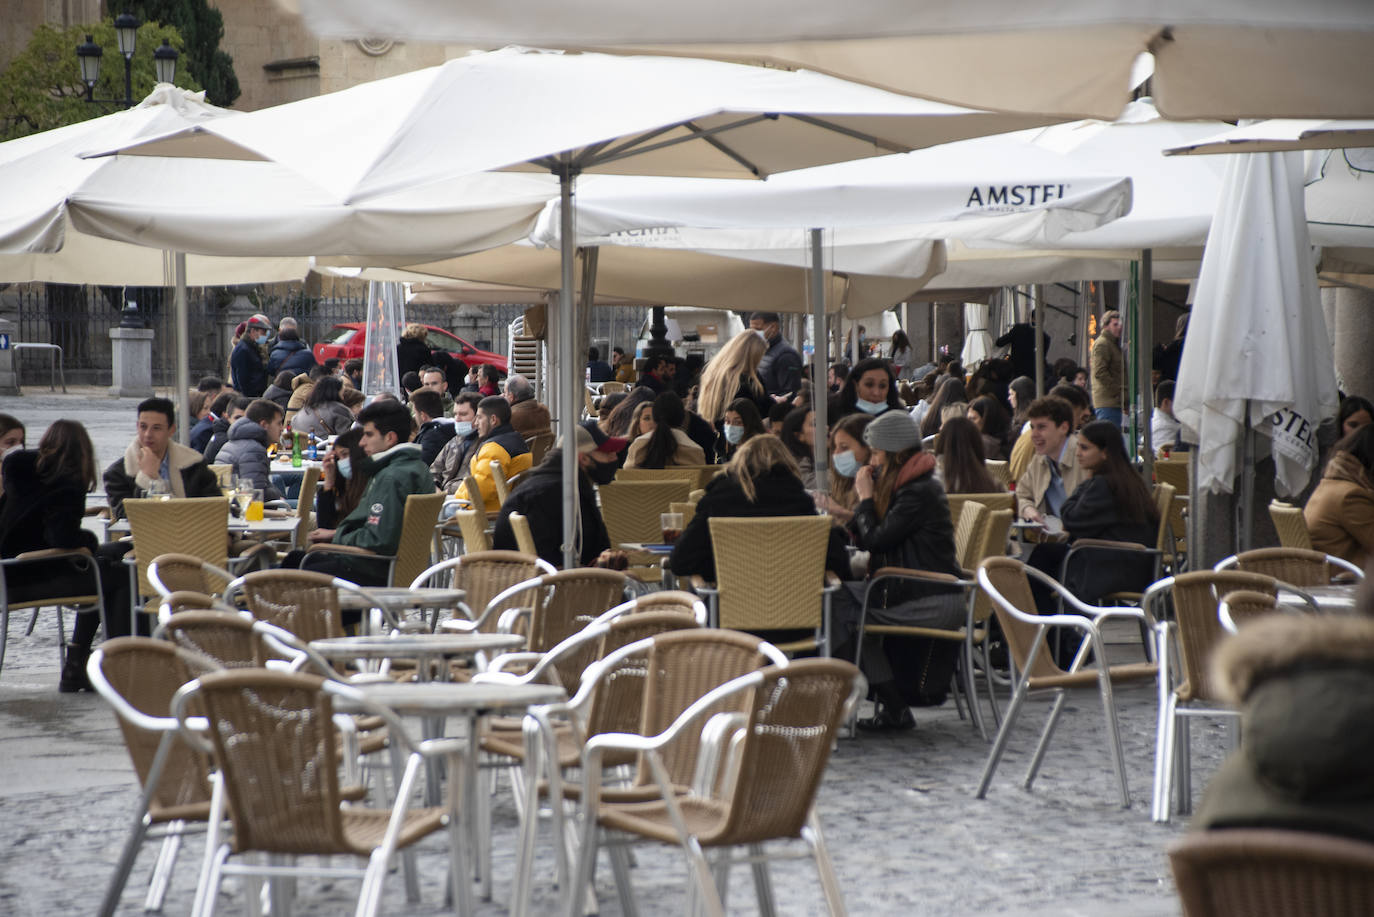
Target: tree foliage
x,y
202,27
41,88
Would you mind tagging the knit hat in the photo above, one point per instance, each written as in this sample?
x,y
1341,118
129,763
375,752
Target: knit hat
x,y
893,431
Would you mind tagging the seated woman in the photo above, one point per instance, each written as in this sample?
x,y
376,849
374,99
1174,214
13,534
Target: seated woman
x,y
951,391
902,520
343,481
798,436
324,413
848,454
960,466
1340,512
761,480
666,444
871,388
742,422
42,507
992,422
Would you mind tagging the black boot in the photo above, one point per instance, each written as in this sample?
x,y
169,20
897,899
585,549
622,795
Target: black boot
x,y
74,670
890,712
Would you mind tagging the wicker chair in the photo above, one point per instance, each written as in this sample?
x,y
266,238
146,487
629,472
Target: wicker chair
x,y
770,575
1174,472
539,445
688,508
561,604
272,738
1294,566
466,491
991,501
1291,525
786,727
631,512
1006,582
138,677
1183,648
483,575
305,507
1239,608
301,602
169,573
1000,471
498,477
82,562
196,527
664,600
413,552
699,475
524,538
472,529
1271,872
180,601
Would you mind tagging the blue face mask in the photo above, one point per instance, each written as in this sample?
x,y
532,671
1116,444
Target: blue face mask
x,y
733,434
345,467
462,428
846,465
870,407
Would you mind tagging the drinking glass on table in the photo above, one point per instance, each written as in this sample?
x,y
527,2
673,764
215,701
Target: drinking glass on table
x,y
671,524
253,510
158,490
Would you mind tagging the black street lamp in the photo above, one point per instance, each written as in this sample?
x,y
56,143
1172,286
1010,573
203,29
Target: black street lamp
x,y
88,55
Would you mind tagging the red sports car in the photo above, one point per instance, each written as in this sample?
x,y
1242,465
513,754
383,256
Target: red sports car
x,y
346,341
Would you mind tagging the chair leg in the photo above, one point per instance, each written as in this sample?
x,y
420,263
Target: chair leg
x,y
825,867
4,632
1165,756
115,889
619,855
709,899
971,689
586,864
999,744
992,686
162,868
1056,710
763,884
1104,682
1185,767
208,889
528,809
33,620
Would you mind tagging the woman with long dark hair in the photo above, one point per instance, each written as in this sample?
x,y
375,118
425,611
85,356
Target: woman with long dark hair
x,y
871,389
959,454
848,453
901,352
668,444
324,413
740,424
798,438
951,391
1020,394
993,423
42,507
1113,503
1340,512
1354,413
623,414
902,520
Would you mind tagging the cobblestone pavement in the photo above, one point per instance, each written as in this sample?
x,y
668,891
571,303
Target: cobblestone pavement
x,y
906,834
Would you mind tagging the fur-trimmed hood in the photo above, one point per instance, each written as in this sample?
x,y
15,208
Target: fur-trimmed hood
x,y
1278,645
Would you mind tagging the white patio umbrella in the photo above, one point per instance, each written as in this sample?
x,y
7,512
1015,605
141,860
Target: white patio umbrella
x,y
1279,134
570,114
1222,58
1258,355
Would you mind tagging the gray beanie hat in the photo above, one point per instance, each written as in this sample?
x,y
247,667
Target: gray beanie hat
x,y
893,431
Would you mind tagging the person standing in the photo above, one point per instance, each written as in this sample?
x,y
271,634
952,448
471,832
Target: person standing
x,y
781,367
247,369
1108,369
290,352
1021,337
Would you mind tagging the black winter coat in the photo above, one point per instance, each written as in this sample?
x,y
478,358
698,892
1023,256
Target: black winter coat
x,y
916,533
780,493
539,497
1091,511
35,514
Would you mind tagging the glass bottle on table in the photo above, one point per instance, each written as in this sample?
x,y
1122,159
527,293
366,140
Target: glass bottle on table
x,y
296,449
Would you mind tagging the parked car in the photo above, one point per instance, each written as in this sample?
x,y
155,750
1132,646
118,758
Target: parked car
x,y
347,341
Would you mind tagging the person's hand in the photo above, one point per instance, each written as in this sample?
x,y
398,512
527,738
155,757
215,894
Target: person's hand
x,y
781,398
319,536
148,462
328,470
863,483
1032,514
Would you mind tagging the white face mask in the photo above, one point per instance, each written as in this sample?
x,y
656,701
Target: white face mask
x,y
733,434
345,466
462,428
846,464
870,407
762,337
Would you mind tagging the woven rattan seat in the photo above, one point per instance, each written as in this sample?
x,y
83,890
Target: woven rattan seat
x,y
1184,648
168,573
1291,525
301,602
1293,566
196,527
1256,872
770,575
483,575
1007,583
272,738
1243,606
138,677
787,720
82,563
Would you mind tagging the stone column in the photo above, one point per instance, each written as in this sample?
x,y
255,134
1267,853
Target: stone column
x,y
1351,321
132,362
9,373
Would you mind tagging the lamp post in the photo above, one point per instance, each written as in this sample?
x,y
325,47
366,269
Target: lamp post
x,y
88,55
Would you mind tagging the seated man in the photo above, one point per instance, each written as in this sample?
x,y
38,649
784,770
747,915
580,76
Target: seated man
x,y
527,416
246,450
539,497
499,443
598,370
1053,472
451,465
434,379
375,525
152,456
435,428
1165,430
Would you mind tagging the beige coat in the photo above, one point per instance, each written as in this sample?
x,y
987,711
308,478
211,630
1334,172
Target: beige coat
x,y
529,417
1108,371
688,452
1340,512
1030,489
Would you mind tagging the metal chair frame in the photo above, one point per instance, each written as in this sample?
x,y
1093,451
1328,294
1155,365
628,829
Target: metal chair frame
x,y
83,562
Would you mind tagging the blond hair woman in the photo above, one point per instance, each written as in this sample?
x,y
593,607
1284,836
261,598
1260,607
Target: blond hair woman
x,y
734,373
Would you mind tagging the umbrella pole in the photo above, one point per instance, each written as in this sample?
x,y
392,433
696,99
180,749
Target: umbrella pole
x,y
1039,315
820,361
183,371
1246,509
570,387
1144,353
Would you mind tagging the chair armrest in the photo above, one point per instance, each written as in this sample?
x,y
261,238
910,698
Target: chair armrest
x,y
832,582
495,671
700,584
341,549
506,622
48,553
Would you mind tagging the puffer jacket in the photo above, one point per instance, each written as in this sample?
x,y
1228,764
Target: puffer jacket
x,y
246,451
1305,686
916,532
328,419
290,353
